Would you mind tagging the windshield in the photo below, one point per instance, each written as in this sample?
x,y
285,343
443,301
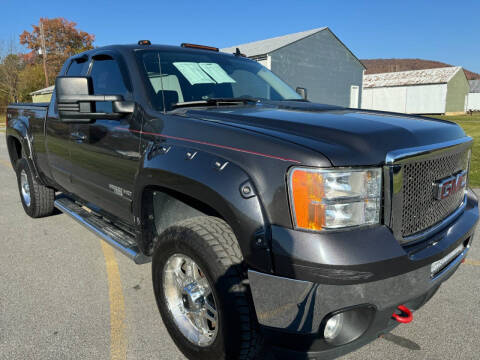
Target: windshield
x,y
198,76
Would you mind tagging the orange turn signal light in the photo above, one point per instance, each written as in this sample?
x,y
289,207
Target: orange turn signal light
x,y
307,192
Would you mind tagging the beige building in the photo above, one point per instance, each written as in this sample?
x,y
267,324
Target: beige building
x,y
431,91
42,95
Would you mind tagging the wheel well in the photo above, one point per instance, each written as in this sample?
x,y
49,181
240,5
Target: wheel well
x,y
161,208
14,149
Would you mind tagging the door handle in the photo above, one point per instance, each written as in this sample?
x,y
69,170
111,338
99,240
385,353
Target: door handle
x,y
78,137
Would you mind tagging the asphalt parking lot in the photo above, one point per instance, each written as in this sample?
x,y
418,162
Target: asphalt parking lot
x,y
66,295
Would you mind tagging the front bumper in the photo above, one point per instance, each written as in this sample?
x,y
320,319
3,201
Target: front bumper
x,y
366,268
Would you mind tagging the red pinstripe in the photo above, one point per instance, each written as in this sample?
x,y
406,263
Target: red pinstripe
x,y
210,144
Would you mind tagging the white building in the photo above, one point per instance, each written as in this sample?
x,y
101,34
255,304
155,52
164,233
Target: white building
x,y
431,91
316,60
473,98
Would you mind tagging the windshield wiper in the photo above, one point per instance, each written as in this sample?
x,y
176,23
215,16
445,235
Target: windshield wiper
x,y
300,100
216,101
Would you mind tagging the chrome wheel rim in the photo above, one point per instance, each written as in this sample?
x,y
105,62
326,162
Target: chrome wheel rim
x,y
25,188
190,300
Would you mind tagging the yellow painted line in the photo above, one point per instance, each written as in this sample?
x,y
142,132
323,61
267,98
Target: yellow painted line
x,y
118,343
472,262
5,163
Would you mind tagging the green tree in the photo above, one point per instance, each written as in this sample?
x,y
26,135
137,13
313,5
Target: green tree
x,y
10,67
31,78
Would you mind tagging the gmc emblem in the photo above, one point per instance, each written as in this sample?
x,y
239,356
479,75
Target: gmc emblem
x,y
448,186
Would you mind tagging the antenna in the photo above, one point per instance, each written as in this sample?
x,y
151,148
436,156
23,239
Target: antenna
x,y
238,53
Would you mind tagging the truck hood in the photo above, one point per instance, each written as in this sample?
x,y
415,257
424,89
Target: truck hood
x,y
344,136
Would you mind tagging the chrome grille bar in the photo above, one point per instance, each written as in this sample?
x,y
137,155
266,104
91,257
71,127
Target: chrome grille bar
x,y
410,207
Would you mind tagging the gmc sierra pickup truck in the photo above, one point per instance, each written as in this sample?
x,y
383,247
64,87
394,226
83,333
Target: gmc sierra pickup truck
x,y
270,221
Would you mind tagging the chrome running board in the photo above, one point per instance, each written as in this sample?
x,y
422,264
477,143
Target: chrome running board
x,y
119,239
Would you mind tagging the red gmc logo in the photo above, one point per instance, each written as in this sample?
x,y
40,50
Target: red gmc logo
x,y
448,186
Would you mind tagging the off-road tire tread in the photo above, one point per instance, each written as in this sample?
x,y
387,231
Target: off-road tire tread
x,y
221,239
42,197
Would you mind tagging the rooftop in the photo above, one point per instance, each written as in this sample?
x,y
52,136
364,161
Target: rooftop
x,y
415,77
266,46
47,90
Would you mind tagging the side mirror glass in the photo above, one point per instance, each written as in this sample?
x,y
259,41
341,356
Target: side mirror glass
x,y
76,103
302,92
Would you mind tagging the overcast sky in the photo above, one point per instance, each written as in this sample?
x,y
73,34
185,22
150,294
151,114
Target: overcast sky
x,y
447,31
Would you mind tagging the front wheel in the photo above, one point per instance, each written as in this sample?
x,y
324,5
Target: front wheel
x,y
200,291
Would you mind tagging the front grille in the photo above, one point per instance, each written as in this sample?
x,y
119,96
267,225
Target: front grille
x,y
420,208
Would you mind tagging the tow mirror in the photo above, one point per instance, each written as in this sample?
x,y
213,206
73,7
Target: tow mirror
x,y
302,92
76,104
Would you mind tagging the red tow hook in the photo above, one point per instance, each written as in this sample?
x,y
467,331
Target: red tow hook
x,y
405,316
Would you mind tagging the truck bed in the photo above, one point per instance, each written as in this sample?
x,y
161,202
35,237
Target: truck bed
x,y
25,125
29,105
22,116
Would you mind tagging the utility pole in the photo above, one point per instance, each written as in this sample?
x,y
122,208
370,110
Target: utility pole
x,y
44,52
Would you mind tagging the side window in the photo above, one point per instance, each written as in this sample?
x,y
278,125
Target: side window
x,y
78,67
107,80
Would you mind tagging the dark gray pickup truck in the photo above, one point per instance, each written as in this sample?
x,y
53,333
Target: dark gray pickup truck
x,y
274,225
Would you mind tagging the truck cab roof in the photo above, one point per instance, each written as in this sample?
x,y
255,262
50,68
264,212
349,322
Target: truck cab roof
x,y
124,48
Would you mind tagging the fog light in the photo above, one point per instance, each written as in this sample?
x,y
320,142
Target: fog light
x,y
333,327
347,324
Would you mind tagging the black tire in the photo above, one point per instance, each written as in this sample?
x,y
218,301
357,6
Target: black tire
x,y
41,197
210,242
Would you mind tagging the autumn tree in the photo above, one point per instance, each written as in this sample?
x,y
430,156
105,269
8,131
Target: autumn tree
x,y
62,40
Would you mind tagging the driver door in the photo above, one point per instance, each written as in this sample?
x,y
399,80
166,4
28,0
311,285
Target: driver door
x,y
105,155
59,133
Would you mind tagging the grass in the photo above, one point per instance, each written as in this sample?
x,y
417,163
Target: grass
x,y
471,126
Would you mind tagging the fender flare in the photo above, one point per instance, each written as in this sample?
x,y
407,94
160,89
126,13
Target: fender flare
x,y
213,181
19,131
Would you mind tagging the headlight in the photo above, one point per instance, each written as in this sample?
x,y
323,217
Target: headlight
x,y
333,199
